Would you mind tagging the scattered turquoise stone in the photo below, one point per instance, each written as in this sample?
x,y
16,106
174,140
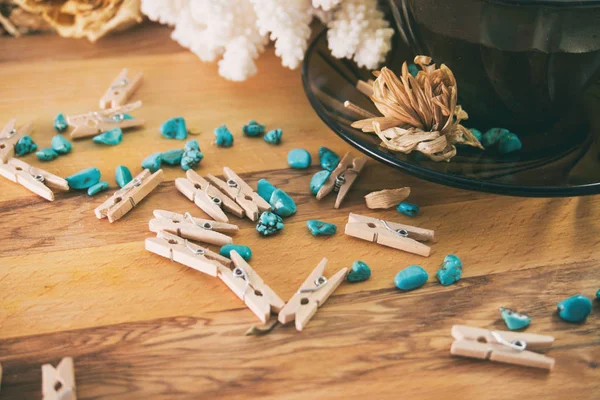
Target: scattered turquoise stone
x,y
318,180
265,189
451,270
283,205
575,309
97,188
153,162
598,294
269,223
24,146
172,157
329,160
224,137
273,136
359,272
191,155
127,116
112,137
477,133
84,179
123,175
411,277
413,69
492,136
320,228
299,158
408,209
60,123
60,144
509,143
174,128
514,320
253,128
243,251
46,154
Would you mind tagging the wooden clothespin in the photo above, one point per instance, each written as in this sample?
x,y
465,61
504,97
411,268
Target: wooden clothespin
x,y
313,293
59,383
184,252
241,193
342,178
35,179
502,346
9,136
120,90
250,288
129,195
391,234
207,197
188,227
95,122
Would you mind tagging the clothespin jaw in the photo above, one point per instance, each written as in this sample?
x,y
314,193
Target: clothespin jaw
x,y
342,178
95,122
391,234
188,227
130,195
59,383
9,136
120,90
250,288
313,293
35,179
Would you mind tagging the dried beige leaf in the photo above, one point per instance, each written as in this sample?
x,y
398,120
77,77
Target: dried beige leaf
x,y
387,198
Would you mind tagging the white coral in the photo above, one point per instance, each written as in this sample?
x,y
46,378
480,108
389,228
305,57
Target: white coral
x,y
325,4
163,11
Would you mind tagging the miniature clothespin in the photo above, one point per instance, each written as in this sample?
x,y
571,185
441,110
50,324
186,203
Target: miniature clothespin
x,y
9,136
95,122
342,178
129,195
120,90
250,288
189,227
241,193
502,346
312,294
184,252
59,383
35,179
207,197
391,234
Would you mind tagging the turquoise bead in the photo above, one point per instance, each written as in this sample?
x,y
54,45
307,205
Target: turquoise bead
x,y
411,277
283,205
451,270
408,209
153,162
359,272
320,228
477,133
575,308
413,69
509,143
46,154
273,136
84,179
299,158
598,294
174,128
112,137
269,223
60,123
492,136
243,251
127,116
253,128
172,157
24,146
514,320
224,138
123,175
318,180
265,189
191,155
61,145
329,160
97,188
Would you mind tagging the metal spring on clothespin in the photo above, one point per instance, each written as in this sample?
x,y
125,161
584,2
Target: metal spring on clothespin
x,y
121,83
207,225
233,184
114,119
319,283
401,232
197,251
217,200
239,272
11,133
519,345
37,177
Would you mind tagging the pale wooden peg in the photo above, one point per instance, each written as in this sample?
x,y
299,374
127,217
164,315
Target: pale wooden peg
x,y
9,136
262,204
365,88
120,90
129,196
189,227
32,178
342,178
95,122
59,383
313,293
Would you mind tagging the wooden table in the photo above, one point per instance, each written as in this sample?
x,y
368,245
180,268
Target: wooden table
x,y
139,326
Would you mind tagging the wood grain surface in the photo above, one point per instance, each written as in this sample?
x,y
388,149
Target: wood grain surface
x,y
139,326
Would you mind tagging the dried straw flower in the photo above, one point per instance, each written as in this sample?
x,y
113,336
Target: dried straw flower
x,y
419,113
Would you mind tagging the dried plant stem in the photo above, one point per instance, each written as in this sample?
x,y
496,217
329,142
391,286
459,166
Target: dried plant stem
x,y
387,198
262,330
365,88
360,111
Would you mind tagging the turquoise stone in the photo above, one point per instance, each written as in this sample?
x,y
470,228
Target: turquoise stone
x,y
299,158
174,128
318,180
413,69
112,137
269,223
60,144
243,251
492,136
408,209
127,116
153,162
172,157
265,189
320,228
46,154
329,160
411,277
598,294
97,188
359,272
224,138
514,320
191,155
84,179
451,270
283,205
253,128
509,143
123,175
477,133
273,136
24,146
575,308
60,123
